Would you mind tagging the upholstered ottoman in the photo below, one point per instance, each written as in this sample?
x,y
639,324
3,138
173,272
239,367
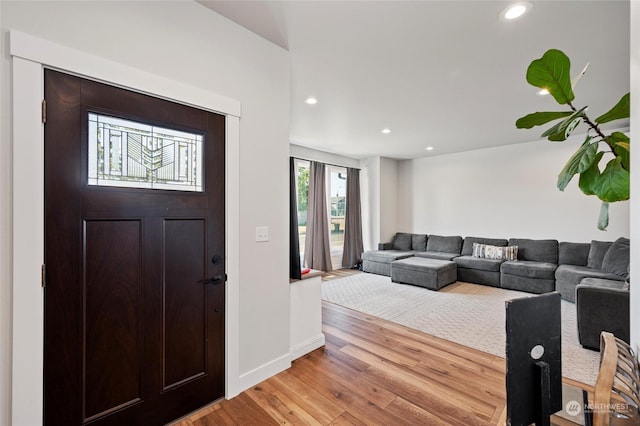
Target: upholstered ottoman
x,y
429,273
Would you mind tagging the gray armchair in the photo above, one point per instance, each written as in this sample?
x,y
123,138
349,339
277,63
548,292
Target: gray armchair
x,y
601,305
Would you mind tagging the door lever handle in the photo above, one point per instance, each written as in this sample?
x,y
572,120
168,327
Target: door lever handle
x,y
217,279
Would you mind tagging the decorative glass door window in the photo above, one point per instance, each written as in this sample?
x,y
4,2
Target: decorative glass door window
x,y
126,153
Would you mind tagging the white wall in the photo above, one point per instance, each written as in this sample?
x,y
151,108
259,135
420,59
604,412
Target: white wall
x,y
506,192
379,197
370,200
635,174
306,315
5,243
188,43
388,199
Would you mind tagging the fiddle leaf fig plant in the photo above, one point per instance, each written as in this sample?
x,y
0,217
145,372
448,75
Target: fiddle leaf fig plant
x,y
552,72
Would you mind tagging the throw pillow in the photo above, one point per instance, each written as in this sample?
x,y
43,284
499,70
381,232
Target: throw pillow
x,y
487,251
596,253
510,253
402,241
616,260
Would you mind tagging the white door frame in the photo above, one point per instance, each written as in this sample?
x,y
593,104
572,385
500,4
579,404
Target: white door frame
x,y
30,56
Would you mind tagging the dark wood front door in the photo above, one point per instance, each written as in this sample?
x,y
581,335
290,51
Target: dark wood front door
x,y
135,279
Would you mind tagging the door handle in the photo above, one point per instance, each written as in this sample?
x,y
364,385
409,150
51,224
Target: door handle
x,y
217,279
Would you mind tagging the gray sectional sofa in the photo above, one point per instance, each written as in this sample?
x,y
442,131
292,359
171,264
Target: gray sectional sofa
x,y
594,276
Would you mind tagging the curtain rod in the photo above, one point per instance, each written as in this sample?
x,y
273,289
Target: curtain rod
x,y
328,164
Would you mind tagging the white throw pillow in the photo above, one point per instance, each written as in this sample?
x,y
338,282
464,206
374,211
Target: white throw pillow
x,y
487,251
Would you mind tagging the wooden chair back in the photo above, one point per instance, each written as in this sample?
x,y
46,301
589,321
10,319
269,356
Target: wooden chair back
x,y
617,394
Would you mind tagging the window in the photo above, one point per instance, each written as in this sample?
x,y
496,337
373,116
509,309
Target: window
x,y
337,193
125,153
336,190
302,182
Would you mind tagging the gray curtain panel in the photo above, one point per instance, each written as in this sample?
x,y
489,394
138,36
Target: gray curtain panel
x,y
352,254
317,252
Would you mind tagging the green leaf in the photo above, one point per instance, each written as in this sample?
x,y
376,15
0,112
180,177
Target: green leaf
x,y
617,137
624,145
621,147
603,219
589,177
562,130
552,72
578,163
538,118
613,183
621,110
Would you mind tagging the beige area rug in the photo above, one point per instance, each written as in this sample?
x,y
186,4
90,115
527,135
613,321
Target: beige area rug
x,y
469,314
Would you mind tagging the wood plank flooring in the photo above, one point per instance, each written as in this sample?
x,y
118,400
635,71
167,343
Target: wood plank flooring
x,y
339,273
373,372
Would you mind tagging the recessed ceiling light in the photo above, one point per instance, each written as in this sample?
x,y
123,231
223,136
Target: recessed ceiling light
x,y
515,11
429,148
543,92
386,130
311,101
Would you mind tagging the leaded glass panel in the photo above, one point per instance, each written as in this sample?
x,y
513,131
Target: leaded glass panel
x,y
126,153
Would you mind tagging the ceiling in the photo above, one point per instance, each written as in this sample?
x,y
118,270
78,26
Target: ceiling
x,y
446,74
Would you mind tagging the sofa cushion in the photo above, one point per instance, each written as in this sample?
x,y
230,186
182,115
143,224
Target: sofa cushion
x,y
545,251
423,264
616,261
604,283
471,262
385,256
527,284
442,244
467,246
436,255
402,241
573,253
597,250
385,246
529,269
418,242
487,251
574,274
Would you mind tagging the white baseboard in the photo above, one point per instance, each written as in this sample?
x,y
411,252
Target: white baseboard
x,y
257,375
307,346
278,365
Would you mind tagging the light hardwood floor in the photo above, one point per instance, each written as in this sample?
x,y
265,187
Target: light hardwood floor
x,y
373,372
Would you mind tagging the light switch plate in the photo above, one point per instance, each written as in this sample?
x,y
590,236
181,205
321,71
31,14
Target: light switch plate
x,y
262,233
